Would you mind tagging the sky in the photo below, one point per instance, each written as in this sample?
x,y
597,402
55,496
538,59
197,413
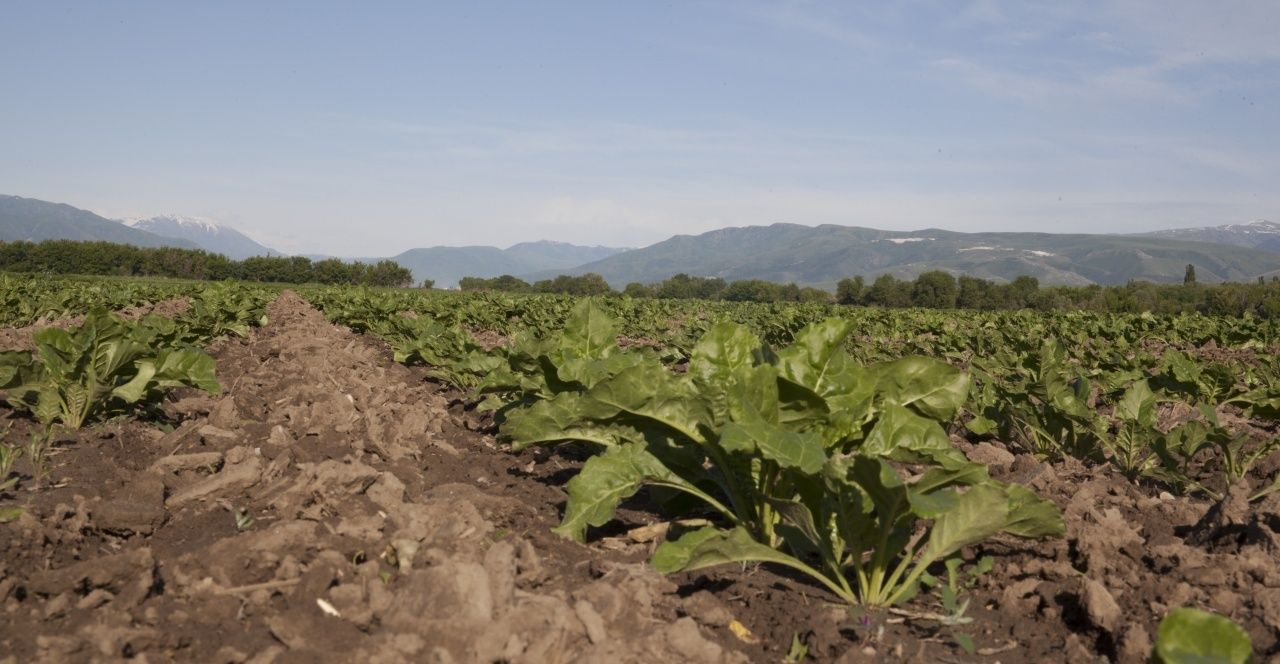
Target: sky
x,y
364,129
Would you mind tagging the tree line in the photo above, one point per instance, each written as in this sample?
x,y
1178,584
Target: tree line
x,y
935,289
680,286
111,259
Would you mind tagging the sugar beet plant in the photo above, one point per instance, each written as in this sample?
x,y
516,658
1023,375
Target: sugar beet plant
x,y
102,366
805,458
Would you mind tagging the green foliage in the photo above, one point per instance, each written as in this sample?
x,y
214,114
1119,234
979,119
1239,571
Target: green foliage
x,y
587,284
935,290
1047,382
792,449
1192,636
505,282
107,258
9,454
849,290
103,365
683,286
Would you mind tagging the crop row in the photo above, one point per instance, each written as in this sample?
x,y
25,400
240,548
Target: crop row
x,y
810,436
107,365
1187,401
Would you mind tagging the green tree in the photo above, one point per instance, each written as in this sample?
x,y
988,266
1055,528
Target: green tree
x,y
1023,290
685,286
752,290
849,291
637,289
935,289
887,291
505,283
587,284
808,294
972,292
1189,279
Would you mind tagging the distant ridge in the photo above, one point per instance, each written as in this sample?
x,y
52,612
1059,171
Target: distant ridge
x,y
204,233
1259,234
807,255
821,255
446,265
33,220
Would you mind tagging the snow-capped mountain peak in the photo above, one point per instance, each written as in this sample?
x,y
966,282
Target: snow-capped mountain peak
x,y
206,233
1257,234
184,221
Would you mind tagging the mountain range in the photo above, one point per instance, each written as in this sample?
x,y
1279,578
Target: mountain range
x,y
1260,234
446,265
206,234
808,255
35,220
821,255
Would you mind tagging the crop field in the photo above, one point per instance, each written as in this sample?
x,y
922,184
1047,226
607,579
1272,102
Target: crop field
x,y
235,473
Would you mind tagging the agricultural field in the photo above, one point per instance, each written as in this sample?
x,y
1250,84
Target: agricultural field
x,y
235,473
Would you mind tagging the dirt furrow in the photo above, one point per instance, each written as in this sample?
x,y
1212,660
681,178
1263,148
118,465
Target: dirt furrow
x,y
332,505
327,506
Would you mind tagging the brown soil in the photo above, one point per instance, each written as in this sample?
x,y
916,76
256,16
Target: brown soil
x,y
488,339
369,499
19,338
376,495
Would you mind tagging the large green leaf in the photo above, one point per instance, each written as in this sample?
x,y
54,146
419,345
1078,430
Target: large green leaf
x,y
608,479
932,388
711,546
54,346
1030,515
650,392
135,389
589,331
752,395
1192,636
1138,405
566,416
17,369
900,429
816,359
977,514
590,371
789,449
191,368
109,357
722,351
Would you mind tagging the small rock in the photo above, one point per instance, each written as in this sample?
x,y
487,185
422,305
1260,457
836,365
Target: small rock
x,y
1135,644
591,620
112,572
991,456
707,609
1014,595
1099,604
685,638
137,509
94,599
57,606
176,462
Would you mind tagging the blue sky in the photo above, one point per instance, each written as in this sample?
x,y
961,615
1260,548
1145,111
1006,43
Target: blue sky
x,y
369,128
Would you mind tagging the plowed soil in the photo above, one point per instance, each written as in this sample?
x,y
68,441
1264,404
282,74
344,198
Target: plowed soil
x,y
331,505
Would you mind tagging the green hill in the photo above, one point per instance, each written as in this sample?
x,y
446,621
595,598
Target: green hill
x,y
35,220
822,255
446,265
